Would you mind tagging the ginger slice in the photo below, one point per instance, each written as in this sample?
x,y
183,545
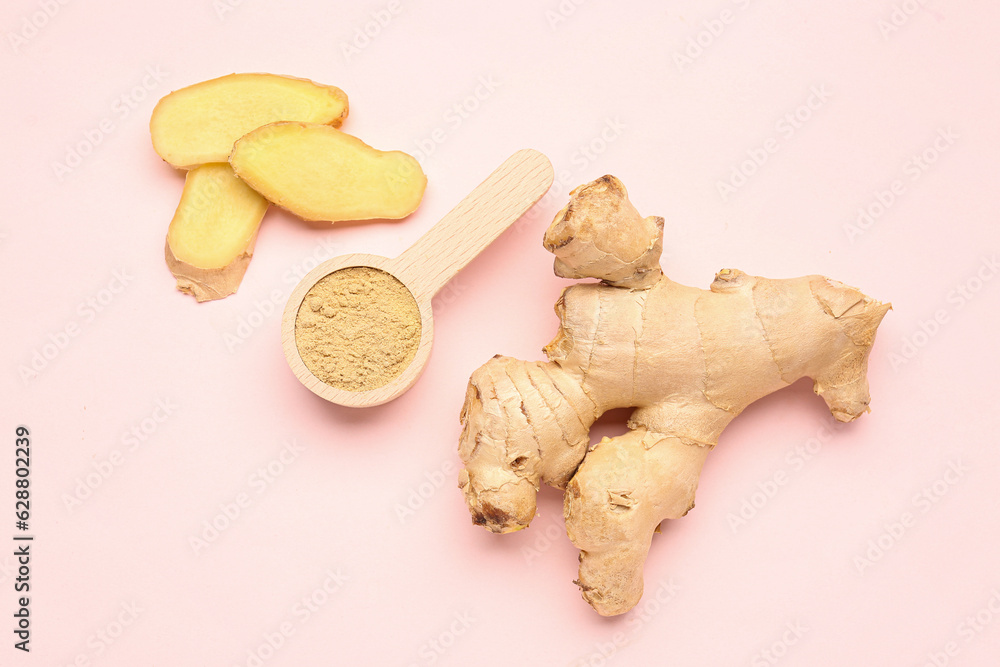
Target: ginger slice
x,y
320,173
211,237
199,124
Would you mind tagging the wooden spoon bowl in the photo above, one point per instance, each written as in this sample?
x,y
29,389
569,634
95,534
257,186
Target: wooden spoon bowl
x,y
427,266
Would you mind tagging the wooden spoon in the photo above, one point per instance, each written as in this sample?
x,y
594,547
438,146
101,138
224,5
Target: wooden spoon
x,y
428,265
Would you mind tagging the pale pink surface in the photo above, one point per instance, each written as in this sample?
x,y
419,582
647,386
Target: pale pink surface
x,y
672,132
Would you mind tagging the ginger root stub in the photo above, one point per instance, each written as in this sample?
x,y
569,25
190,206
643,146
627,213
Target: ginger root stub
x,y
687,360
211,237
358,328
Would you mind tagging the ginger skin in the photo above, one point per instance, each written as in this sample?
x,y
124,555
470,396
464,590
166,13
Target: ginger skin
x,y
688,360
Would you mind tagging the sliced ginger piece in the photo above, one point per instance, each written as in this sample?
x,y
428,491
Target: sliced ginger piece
x,y
212,235
320,173
199,124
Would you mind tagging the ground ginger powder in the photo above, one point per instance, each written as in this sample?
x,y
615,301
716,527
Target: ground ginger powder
x,y
358,328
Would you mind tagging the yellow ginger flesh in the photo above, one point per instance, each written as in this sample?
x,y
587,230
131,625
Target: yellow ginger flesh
x,y
320,173
211,237
200,123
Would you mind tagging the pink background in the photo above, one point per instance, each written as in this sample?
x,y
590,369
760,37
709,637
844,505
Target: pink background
x,y
600,88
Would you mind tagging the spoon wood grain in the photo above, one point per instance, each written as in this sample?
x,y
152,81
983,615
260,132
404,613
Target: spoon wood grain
x,y
428,265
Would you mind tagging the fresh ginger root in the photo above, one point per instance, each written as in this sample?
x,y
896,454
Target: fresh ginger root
x,y
211,237
320,173
688,360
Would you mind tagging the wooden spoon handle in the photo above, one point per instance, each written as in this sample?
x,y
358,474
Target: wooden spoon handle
x,y
475,222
